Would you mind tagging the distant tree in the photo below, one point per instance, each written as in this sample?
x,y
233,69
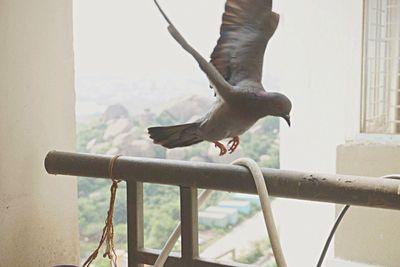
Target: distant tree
x,y
89,131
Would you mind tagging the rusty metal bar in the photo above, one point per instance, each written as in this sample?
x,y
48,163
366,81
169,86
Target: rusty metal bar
x,y
189,222
343,189
135,222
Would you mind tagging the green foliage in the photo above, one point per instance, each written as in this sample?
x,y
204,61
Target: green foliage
x,y
161,213
263,146
197,150
272,159
89,131
87,186
215,198
159,223
256,251
103,148
161,152
120,234
164,118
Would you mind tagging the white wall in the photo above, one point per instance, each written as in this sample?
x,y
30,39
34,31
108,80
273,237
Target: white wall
x,y
315,56
38,222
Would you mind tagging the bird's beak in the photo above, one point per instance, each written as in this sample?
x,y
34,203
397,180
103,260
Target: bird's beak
x,y
287,119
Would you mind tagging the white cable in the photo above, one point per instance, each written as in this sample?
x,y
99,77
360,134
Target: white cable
x,y
265,206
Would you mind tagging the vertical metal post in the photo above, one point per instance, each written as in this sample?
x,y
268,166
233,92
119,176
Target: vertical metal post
x,y
135,222
189,229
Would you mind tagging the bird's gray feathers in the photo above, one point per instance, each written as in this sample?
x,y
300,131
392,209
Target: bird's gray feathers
x,y
223,88
175,136
235,72
246,29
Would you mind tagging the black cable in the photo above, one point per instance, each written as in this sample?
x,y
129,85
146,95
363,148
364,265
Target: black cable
x,y
339,219
331,234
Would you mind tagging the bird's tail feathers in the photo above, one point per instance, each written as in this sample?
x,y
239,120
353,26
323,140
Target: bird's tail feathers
x,y
175,136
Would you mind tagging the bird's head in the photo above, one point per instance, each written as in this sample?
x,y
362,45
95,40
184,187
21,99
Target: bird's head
x,y
278,105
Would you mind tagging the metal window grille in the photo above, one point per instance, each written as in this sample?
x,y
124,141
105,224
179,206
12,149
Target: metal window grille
x,y
381,72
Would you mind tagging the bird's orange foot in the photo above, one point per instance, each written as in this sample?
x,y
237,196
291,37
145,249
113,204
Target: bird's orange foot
x,y
235,143
222,148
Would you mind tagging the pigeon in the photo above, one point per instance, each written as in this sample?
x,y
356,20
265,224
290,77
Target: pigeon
x,y
234,72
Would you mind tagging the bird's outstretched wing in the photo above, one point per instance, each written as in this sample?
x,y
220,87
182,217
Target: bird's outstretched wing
x,y
224,89
247,26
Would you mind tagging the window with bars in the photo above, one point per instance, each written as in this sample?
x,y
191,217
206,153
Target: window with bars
x,y
381,67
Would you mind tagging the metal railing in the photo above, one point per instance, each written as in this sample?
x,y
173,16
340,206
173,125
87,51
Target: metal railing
x,y
189,176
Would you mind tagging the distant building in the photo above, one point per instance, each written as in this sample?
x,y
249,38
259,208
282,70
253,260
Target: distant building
x,y
241,206
253,199
212,219
233,214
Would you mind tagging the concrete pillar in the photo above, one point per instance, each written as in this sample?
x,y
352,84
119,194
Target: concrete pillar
x,y
38,212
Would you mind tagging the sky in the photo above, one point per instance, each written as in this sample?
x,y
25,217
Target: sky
x,y
124,53
129,38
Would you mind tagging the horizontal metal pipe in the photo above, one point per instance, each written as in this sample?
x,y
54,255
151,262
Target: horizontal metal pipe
x,y
343,189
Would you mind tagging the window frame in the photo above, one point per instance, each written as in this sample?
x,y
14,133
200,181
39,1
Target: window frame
x,y
387,109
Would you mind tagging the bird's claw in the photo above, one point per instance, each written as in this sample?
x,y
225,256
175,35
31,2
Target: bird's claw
x,y
222,148
235,143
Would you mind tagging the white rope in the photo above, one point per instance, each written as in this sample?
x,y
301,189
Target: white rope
x,y
265,206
